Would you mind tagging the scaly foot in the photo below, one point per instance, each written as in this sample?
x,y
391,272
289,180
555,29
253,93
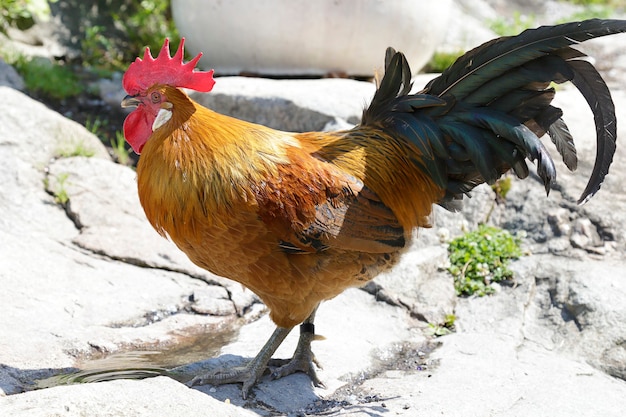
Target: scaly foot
x,y
303,359
248,375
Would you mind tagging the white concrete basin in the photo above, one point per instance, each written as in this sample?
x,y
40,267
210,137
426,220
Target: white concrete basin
x,y
309,37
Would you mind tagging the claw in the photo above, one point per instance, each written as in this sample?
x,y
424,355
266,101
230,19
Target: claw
x,y
248,375
298,365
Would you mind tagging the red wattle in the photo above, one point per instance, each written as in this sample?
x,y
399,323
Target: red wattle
x,y
137,130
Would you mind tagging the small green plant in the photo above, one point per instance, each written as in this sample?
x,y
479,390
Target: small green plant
x,y
103,55
112,33
95,125
46,78
75,149
21,13
144,23
502,187
60,193
442,60
447,327
149,22
119,149
480,258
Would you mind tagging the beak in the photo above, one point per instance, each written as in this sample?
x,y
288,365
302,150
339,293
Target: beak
x,y
130,101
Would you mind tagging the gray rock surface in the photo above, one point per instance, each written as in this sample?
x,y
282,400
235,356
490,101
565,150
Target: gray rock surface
x,y
9,77
292,105
88,285
152,397
91,278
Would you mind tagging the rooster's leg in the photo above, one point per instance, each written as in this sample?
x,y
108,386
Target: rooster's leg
x,y
249,374
303,359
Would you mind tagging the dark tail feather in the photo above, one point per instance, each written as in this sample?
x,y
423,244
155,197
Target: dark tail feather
x,y
395,83
493,58
484,115
598,96
564,143
512,75
549,121
393,110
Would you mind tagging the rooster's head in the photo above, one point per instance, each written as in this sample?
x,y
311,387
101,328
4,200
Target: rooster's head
x,y
145,80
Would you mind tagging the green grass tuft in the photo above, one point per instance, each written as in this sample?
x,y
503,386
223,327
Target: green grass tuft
x,y
47,78
441,61
120,149
60,193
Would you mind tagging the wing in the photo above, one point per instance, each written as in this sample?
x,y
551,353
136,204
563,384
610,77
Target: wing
x,y
314,207
359,222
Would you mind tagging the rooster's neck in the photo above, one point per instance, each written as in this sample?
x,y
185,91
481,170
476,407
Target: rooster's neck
x,y
201,164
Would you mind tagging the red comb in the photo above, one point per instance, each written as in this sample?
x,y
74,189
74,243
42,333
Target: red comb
x,y
164,69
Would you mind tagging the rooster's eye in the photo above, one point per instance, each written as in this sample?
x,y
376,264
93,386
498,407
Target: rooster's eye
x,y
155,97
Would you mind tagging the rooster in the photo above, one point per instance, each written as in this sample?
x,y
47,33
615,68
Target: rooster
x,y
299,217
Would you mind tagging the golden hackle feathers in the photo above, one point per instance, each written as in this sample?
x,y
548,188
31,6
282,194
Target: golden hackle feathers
x,y
199,156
